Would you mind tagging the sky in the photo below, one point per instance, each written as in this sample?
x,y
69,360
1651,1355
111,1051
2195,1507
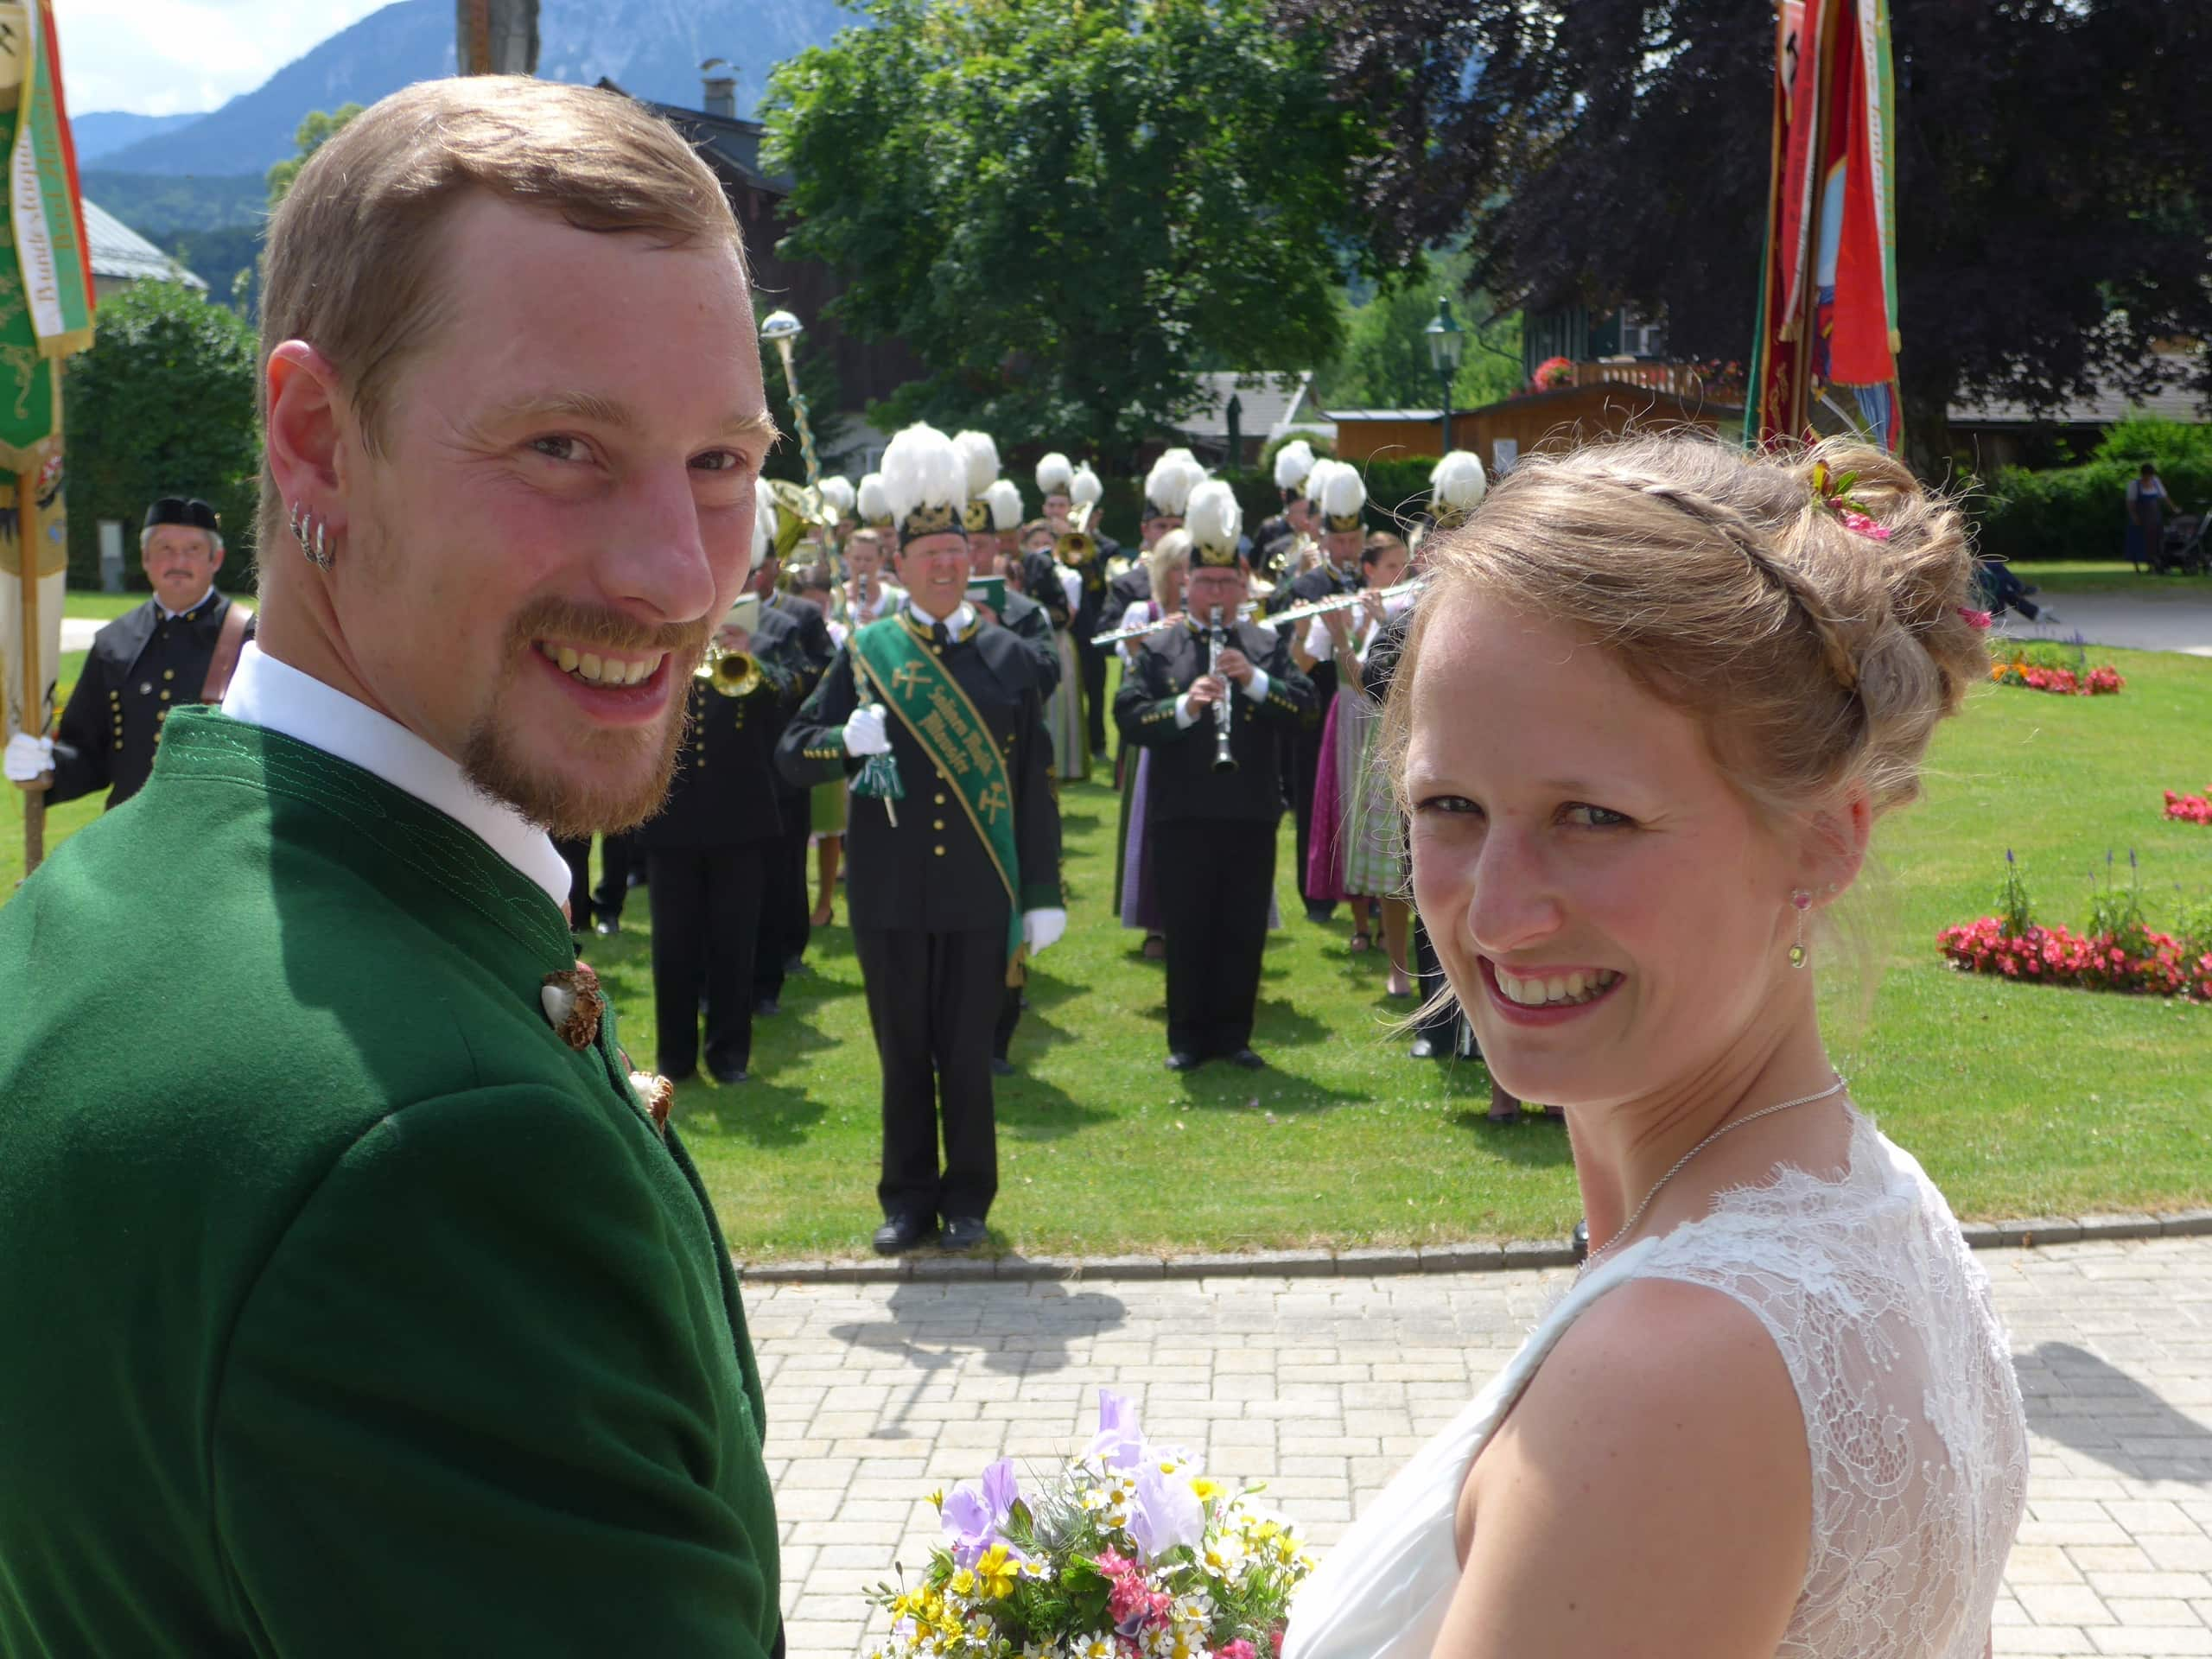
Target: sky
x,y
168,57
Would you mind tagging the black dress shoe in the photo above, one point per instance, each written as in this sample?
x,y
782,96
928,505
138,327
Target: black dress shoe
x,y
1183,1060
1427,1048
607,926
767,1007
902,1233
1319,912
683,1076
1002,1067
963,1232
1248,1059
728,1073
796,967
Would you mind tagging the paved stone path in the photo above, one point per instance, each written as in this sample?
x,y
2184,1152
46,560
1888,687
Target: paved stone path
x,y
2175,622
878,1394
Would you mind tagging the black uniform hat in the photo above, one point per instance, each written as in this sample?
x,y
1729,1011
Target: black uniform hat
x,y
183,510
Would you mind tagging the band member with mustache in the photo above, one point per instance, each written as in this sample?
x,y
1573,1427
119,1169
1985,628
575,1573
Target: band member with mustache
x,y
955,876
379,1306
180,646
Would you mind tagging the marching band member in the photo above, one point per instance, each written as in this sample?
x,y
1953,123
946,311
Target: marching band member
x,y
1273,541
1020,614
867,594
958,879
1056,589
1209,705
1136,892
1356,852
838,496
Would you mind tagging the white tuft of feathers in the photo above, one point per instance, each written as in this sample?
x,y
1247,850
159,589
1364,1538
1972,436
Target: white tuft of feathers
x,y
1167,486
1343,492
1084,488
1004,496
1293,462
1318,475
1213,516
837,492
869,500
922,469
1054,474
1458,483
979,456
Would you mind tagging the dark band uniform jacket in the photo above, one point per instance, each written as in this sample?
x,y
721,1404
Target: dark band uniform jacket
x,y
1184,783
352,1310
140,665
1029,622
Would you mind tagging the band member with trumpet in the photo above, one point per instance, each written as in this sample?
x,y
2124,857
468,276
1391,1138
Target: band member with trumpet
x,y
956,880
1273,541
1052,578
1209,700
709,853
1339,495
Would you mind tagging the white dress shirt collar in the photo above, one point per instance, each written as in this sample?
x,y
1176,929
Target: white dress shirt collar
x,y
956,625
168,615
277,698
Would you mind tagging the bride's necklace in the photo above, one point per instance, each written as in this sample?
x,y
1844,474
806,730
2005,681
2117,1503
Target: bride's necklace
x,y
1614,1243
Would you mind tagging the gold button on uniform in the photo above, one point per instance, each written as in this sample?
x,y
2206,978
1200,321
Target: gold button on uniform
x,y
939,850
936,824
169,673
940,799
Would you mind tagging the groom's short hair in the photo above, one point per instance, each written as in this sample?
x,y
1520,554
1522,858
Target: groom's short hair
x,y
354,266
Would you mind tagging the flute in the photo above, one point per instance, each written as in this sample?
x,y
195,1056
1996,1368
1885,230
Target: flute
x,y
1404,591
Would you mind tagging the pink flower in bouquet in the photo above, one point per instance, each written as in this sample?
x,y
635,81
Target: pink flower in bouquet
x,y
1239,1648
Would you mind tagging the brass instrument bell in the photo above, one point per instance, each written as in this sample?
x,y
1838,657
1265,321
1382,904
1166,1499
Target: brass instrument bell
x,y
733,673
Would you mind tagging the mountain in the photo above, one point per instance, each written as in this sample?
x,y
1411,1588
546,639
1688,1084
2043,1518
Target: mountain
x,y
102,131
650,47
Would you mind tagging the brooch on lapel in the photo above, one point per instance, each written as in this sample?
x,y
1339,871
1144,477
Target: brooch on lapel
x,y
656,1095
573,1004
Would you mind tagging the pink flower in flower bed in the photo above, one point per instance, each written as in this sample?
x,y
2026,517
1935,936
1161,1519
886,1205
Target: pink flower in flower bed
x,y
2190,809
2056,955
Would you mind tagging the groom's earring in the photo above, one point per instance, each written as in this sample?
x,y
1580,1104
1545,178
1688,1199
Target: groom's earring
x,y
1802,901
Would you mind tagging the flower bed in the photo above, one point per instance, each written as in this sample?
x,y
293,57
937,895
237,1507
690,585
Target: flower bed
x,y
2190,809
2057,955
2098,682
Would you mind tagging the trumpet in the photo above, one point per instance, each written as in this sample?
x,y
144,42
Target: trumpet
x,y
1077,547
1223,759
1398,597
733,673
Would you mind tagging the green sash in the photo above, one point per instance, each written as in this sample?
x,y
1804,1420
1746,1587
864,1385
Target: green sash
x,y
913,684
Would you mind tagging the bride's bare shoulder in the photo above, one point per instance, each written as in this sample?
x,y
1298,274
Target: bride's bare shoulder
x,y
1654,1476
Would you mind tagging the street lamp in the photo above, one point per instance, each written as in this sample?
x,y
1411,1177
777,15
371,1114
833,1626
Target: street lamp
x,y
783,329
1446,338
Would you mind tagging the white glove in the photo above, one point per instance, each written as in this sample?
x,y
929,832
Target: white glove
x,y
30,759
864,733
1041,929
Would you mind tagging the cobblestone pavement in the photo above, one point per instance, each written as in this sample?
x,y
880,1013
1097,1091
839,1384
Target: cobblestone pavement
x,y
879,1393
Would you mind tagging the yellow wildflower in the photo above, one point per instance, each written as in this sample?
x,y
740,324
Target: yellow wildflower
x,y
996,1572
964,1583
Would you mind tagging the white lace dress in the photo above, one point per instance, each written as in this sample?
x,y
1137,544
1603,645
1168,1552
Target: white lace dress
x,y
1913,1414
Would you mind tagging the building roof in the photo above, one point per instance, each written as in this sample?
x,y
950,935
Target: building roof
x,y
2177,401
1268,402
734,143
120,252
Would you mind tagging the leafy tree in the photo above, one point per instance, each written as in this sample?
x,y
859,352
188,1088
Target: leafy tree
x,y
162,404
1067,209
2053,165
1385,362
228,259
316,128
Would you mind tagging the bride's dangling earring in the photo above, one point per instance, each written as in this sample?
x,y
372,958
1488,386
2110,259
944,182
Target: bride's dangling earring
x,y
1803,901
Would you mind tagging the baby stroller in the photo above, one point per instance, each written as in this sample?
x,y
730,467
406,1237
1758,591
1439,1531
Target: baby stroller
x,y
2183,549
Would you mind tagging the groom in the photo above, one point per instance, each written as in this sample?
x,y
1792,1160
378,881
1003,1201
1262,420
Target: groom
x,y
357,1301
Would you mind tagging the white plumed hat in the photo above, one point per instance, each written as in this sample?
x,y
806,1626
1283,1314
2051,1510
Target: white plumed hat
x,y
1341,495
1004,496
1293,462
1054,474
979,456
870,502
923,482
1083,488
1167,486
837,492
1456,488
1214,519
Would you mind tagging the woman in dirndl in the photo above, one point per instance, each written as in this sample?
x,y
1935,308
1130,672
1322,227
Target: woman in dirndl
x,y
1059,591
1355,854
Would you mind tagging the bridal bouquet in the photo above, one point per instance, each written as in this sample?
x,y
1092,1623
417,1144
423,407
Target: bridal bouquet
x,y
1128,1553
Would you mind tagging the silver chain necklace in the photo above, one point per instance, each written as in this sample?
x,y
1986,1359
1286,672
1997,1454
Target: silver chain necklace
x,y
1614,1243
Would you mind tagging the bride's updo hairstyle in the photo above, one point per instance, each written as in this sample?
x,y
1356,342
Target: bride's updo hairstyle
x,y
1808,606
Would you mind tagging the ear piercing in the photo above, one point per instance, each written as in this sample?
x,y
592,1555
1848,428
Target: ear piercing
x,y
313,536
1801,900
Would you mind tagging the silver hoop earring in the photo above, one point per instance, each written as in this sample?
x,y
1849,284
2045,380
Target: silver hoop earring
x,y
313,536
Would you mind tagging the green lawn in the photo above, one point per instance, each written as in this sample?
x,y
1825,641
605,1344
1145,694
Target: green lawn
x,y
2020,1101
102,608
2111,576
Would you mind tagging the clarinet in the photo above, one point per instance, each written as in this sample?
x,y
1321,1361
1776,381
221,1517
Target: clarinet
x,y
1223,714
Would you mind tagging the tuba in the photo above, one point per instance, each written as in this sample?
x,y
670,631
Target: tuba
x,y
733,673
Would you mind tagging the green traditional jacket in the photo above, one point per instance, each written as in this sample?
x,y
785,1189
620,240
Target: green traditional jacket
x,y
347,1310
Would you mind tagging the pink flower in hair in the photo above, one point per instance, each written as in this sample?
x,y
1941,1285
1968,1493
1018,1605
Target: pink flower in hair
x,y
1859,523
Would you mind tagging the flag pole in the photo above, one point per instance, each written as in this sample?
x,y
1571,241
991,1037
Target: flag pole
x,y
34,693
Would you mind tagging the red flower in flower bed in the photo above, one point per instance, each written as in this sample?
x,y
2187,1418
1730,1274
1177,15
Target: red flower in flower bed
x,y
2101,681
1553,371
2190,809
2056,955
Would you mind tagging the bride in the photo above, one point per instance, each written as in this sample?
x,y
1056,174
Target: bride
x,y
1658,695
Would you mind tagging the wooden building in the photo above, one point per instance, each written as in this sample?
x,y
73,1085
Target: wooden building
x,y
1605,398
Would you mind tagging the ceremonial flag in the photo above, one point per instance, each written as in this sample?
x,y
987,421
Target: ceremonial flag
x,y
1824,357
45,312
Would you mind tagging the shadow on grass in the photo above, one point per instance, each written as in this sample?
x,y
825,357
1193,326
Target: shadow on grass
x,y
770,1116
1034,1110
1020,1329
1532,1140
2088,1404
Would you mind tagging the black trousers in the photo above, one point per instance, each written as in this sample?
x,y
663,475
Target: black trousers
x,y
1215,880
706,911
932,999
1009,1017
617,854
1093,691
577,854
785,911
1447,1025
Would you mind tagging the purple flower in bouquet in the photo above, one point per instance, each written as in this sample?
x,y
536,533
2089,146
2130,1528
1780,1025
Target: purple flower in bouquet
x,y
1165,1513
1119,1443
975,1511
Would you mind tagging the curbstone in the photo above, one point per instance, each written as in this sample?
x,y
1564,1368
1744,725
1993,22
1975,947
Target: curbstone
x,y
2119,1227
1461,1258
1364,1263
1527,1252
2186,1223
1214,1267
1303,1264
942,1269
